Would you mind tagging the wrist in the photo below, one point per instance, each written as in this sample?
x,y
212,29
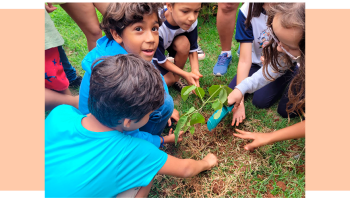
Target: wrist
x,y
166,139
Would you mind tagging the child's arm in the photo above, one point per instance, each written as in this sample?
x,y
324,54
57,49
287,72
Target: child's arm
x,y
193,57
154,139
186,168
292,132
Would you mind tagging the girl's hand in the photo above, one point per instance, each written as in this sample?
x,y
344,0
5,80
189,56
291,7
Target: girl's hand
x,y
175,116
236,97
238,114
260,139
171,137
50,8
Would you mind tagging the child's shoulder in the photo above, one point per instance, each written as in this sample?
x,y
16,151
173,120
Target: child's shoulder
x,y
62,112
244,9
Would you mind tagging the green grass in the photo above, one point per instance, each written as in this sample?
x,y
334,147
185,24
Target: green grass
x,y
272,170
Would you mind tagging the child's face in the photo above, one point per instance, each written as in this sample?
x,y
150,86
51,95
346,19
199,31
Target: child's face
x,y
141,38
184,14
288,38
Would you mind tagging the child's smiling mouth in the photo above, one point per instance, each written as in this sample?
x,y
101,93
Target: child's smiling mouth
x,y
148,52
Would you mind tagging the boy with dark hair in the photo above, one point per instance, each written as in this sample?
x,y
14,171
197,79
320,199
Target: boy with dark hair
x,y
90,156
130,28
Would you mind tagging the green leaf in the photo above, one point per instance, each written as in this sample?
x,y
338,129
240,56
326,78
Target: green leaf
x,y
223,96
192,130
197,118
228,90
200,92
190,110
186,91
214,90
180,124
216,105
217,115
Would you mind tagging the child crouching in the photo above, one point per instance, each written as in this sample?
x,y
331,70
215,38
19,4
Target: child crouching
x,y
90,156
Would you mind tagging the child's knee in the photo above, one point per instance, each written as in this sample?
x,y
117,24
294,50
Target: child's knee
x,y
181,45
228,7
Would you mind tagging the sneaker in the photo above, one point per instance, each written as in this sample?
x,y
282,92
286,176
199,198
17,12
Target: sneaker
x,y
221,66
179,85
76,82
201,54
171,59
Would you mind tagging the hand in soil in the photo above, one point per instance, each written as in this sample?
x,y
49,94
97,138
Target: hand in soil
x,y
171,137
238,115
211,159
260,139
175,116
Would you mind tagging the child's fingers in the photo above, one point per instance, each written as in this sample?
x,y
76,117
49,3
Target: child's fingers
x,y
242,132
171,131
169,122
242,136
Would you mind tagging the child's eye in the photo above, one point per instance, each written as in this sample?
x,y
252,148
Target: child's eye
x,y
138,29
155,29
185,11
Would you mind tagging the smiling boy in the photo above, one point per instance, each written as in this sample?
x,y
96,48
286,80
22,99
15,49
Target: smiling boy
x,y
130,28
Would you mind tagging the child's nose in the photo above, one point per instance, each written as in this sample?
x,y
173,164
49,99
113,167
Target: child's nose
x,y
149,36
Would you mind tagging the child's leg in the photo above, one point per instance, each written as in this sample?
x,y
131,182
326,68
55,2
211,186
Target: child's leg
x,y
68,68
170,79
159,118
84,14
181,46
268,95
54,98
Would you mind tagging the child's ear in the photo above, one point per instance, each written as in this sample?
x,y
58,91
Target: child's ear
x,y
116,37
169,7
127,122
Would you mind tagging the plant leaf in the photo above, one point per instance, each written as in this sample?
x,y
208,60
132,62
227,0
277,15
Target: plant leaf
x,y
190,110
192,130
217,115
216,105
180,124
214,90
223,96
228,90
197,118
200,92
186,91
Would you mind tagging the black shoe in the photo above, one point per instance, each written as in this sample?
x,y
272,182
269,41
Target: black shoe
x,y
179,85
76,82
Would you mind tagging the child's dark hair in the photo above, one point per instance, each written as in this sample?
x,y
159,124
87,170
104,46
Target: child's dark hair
x,y
120,15
124,86
292,15
254,10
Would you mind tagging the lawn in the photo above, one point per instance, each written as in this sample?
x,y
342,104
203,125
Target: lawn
x,y
276,170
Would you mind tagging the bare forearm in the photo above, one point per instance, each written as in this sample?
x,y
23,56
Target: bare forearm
x,y
173,68
292,132
193,57
243,70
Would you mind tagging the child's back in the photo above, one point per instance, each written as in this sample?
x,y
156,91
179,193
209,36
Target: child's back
x,y
83,163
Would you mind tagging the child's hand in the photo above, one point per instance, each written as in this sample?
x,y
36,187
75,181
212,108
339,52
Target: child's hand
x,y
238,114
260,139
192,79
171,137
175,116
211,159
236,97
50,8
200,76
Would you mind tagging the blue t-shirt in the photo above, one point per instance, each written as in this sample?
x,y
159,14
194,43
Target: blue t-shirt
x,y
104,47
83,163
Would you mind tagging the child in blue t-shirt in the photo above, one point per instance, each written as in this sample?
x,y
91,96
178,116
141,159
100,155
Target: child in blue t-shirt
x,y
90,156
130,28
178,35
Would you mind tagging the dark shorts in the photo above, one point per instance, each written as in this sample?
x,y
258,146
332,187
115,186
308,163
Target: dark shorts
x,y
55,78
171,52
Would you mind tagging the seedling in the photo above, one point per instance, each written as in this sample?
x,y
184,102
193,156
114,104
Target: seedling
x,y
218,98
